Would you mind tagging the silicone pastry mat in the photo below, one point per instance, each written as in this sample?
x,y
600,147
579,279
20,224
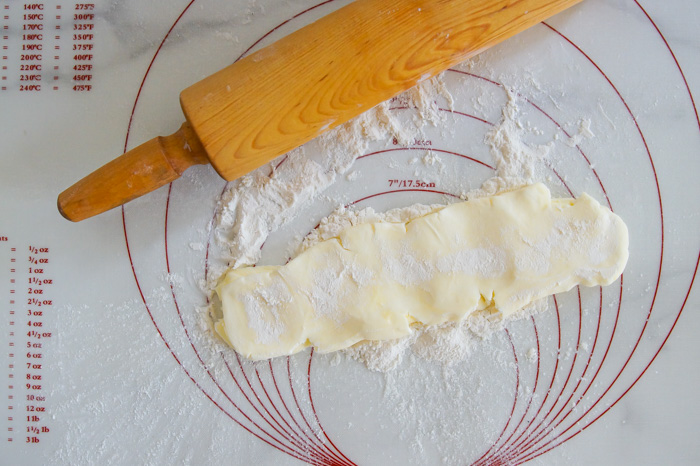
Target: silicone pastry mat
x,y
105,358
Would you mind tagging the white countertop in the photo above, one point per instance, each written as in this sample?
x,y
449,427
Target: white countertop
x,y
114,366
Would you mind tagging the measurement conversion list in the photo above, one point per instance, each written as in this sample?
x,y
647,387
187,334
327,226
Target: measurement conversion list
x,y
27,308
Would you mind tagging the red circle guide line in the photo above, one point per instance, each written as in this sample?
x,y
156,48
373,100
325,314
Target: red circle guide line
x,y
172,353
460,155
580,378
301,412
432,149
423,190
549,117
545,424
556,442
490,452
526,457
569,190
517,385
658,191
294,449
313,408
148,71
291,386
295,445
281,398
539,451
515,400
291,453
448,110
498,455
313,442
286,435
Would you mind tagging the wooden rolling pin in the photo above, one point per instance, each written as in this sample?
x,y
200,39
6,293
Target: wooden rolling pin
x,y
305,84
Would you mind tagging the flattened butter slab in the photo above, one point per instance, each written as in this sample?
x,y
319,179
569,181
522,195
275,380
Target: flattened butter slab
x,y
372,281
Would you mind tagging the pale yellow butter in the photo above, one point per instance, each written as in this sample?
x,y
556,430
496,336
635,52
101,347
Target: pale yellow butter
x,y
372,281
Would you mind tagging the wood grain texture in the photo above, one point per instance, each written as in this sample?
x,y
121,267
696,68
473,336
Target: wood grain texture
x,y
141,170
305,84
340,66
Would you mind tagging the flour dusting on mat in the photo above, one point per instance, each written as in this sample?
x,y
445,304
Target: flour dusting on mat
x,y
265,200
516,162
448,343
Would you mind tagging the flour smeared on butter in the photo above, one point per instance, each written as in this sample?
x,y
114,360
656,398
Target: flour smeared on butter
x,y
371,282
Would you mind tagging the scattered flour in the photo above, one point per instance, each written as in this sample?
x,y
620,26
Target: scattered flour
x,y
264,200
517,164
447,344
584,131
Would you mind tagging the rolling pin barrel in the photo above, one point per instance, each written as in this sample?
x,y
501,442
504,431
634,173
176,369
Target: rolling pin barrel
x,y
305,84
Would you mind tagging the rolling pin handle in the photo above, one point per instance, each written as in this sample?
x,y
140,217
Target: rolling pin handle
x,y
137,172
